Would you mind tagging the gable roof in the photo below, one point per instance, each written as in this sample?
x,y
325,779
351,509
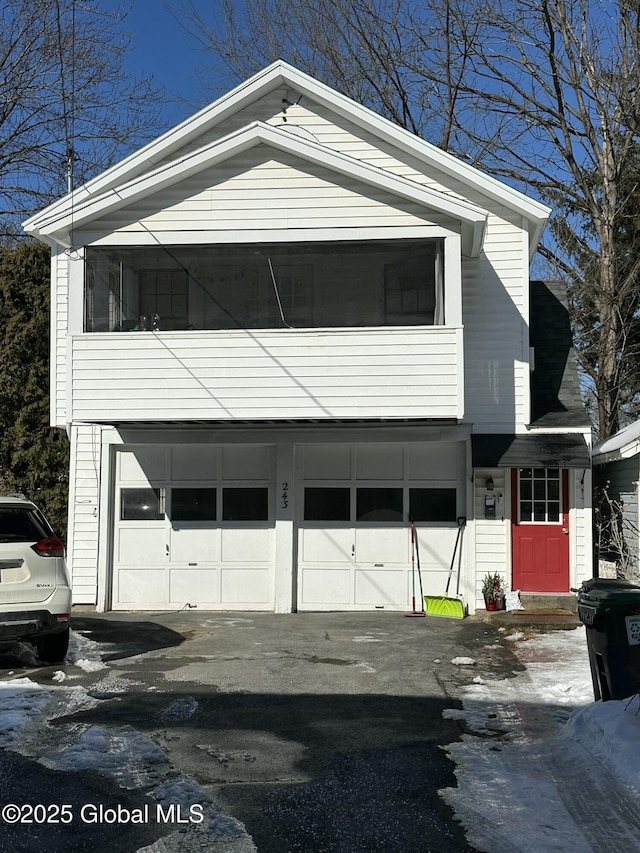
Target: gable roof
x,y
147,160
57,220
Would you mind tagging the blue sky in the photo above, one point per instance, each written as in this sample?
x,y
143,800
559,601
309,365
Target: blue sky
x,y
159,47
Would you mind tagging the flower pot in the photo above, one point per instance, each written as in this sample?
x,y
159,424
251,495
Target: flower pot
x,y
491,605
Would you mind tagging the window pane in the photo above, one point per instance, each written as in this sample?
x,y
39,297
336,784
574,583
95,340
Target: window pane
x,y
553,490
326,504
553,511
526,508
379,504
525,473
432,504
140,505
245,504
193,504
539,511
539,490
525,490
18,524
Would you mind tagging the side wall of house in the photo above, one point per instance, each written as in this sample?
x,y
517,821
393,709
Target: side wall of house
x,y
622,477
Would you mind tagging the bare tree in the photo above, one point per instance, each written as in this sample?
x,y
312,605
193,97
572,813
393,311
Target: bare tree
x,y
543,93
65,103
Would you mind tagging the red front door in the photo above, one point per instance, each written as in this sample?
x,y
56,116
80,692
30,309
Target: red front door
x,y
540,529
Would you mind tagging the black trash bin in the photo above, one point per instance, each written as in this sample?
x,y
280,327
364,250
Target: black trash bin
x,y
610,611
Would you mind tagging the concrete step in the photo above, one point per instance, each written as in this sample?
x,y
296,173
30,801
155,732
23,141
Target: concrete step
x,y
543,601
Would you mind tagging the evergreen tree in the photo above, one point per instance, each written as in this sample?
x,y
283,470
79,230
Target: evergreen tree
x,y
34,457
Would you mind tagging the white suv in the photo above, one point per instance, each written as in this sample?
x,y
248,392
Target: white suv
x,y
35,595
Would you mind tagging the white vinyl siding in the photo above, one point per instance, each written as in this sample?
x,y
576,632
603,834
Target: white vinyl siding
x,y
492,536
392,373
82,538
262,191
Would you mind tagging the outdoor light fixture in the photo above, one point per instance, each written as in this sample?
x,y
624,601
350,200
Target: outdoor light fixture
x,y
489,484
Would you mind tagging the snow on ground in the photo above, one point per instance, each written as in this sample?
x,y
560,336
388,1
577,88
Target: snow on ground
x,y
545,762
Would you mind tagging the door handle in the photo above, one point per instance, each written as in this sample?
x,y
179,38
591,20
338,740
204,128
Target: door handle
x,y
565,530
353,550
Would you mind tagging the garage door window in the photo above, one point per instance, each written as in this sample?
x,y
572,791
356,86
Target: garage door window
x,y
327,504
141,505
432,504
193,504
245,504
379,504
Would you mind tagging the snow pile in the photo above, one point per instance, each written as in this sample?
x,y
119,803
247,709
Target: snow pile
x,y
84,653
610,731
542,750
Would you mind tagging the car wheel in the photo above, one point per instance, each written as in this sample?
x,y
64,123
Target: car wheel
x,y
53,647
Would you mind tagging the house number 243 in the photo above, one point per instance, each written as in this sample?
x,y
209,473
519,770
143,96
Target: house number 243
x,y
285,495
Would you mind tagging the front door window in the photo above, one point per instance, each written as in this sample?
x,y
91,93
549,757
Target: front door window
x,y
540,495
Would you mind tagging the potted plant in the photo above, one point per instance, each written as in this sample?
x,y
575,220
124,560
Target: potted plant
x,y
492,590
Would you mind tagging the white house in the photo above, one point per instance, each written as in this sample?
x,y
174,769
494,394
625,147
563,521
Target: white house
x,y
284,328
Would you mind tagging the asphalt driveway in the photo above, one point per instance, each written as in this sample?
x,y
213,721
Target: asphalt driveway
x,y
313,732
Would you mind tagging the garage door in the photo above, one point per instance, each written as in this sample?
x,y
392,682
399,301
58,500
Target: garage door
x,y
193,526
354,539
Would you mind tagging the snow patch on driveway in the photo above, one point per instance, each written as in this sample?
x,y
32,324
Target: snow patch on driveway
x,y
123,754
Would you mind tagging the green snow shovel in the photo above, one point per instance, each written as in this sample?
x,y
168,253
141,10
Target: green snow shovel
x,y
443,605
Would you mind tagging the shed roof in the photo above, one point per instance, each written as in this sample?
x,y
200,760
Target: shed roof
x,y
542,450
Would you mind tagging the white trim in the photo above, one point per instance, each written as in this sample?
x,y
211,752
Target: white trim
x,y
285,235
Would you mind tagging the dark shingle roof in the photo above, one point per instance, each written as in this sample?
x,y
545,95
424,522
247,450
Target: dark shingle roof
x,y
555,387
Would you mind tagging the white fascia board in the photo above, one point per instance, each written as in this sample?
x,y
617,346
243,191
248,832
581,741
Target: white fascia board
x,y
56,223
278,74
164,145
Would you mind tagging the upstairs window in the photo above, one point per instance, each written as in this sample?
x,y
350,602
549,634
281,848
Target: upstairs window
x,y
300,286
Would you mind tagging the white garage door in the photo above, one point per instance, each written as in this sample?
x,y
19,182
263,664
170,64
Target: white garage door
x,y
354,539
194,526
